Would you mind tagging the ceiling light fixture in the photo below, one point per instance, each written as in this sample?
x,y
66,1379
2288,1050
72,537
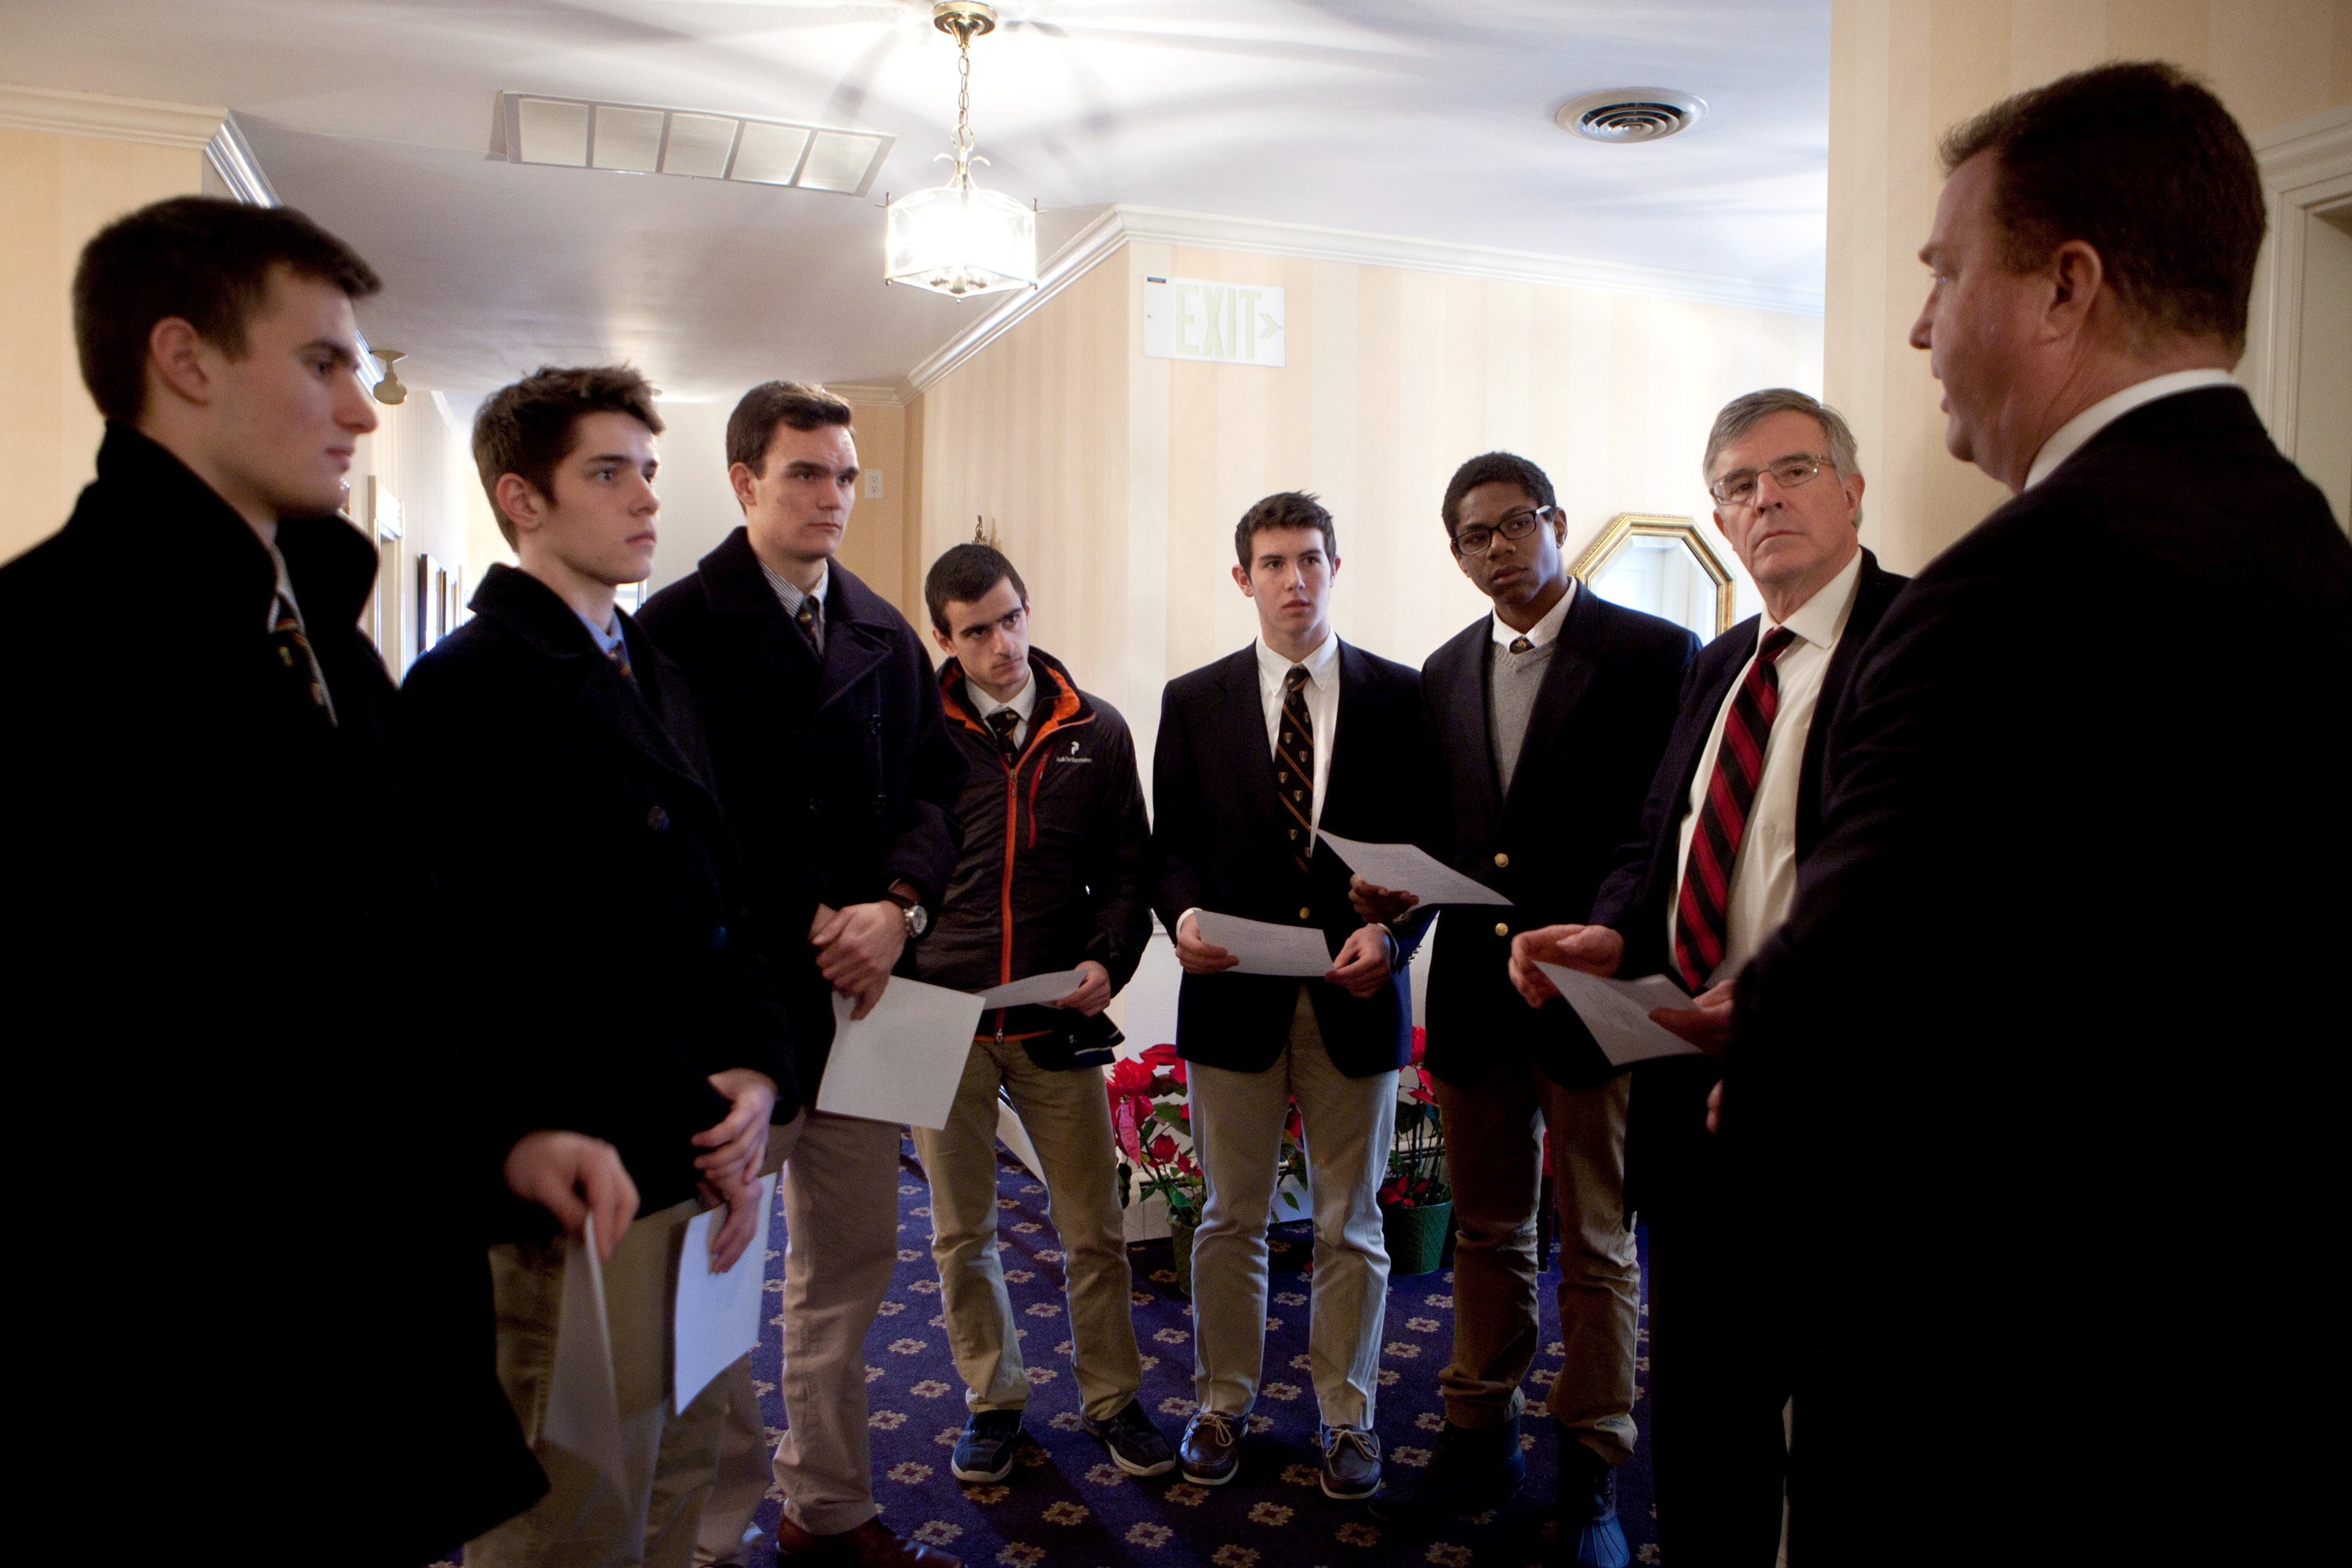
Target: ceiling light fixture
x,y
389,390
958,238
1625,114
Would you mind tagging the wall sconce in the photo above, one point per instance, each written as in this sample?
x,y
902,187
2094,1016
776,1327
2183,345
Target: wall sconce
x,y
389,390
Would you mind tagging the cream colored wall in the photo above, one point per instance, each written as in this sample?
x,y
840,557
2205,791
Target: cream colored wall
x,y
1114,481
61,190
1903,71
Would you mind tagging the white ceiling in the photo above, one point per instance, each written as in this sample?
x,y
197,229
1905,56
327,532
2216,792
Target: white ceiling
x,y
1429,121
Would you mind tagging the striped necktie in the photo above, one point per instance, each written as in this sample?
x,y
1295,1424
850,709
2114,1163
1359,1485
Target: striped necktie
x,y
805,618
619,653
1294,765
295,653
1004,721
1699,919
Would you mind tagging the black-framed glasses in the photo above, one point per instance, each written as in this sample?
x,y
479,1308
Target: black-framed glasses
x,y
1738,486
1477,540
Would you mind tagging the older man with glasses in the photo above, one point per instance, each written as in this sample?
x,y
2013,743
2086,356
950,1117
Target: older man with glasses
x,y
1548,715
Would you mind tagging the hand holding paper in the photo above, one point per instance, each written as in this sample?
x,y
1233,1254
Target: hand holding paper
x,y
1263,948
902,1061
1408,868
1618,1013
715,1321
1035,991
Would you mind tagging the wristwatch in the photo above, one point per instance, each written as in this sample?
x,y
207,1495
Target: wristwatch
x,y
918,919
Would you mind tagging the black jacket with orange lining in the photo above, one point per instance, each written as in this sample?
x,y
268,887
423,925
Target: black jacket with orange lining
x,y
1056,852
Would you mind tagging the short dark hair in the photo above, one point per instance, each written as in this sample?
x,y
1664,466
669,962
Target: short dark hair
x,y
204,260
752,428
2139,161
1286,509
1492,468
527,428
963,575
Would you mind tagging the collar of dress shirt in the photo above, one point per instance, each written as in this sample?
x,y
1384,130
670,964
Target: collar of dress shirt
x,y
606,641
1321,664
1820,620
2069,437
788,593
1023,703
1543,630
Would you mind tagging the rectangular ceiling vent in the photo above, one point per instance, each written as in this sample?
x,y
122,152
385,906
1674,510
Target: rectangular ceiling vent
x,y
580,134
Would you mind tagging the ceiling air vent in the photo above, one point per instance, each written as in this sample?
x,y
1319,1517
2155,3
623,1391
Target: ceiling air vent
x,y
641,139
1620,114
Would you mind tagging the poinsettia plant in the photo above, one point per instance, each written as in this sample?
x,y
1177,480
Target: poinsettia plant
x,y
1417,1154
1152,1121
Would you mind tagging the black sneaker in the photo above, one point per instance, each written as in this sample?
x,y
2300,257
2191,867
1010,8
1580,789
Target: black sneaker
x,y
1588,1507
1136,1446
985,1451
1474,1470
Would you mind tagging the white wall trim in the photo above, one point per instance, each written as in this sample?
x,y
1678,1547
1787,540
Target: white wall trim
x,y
2305,164
231,159
146,119
1119,225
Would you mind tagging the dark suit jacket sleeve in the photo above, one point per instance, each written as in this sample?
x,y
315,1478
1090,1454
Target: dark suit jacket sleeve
x,y
1118,859
1176,807
933,839
1620,904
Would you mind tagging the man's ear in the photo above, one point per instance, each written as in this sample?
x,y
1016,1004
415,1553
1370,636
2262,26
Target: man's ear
x,y
1241,581
1853,498
744,481
937,636
521,504
179,358
2077,278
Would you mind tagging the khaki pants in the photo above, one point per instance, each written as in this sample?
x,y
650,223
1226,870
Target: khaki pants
x,y
583,1523
1067,1117
1493,1144
1237,1121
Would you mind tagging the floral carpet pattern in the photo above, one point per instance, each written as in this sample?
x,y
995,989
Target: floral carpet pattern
x,y
1066,1503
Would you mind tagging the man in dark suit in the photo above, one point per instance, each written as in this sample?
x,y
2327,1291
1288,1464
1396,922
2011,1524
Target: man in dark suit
x,y
1735,805
840,780
574,834
1257,753
2032,1038
1548,715
215,851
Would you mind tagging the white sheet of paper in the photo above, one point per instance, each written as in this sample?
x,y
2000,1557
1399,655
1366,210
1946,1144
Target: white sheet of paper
x,y
715,1321
902,1061
583,1410
1035,989
1618,1013
1266,949
1408,868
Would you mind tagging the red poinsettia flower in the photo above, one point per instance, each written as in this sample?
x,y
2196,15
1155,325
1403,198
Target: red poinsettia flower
x,y
1420,1043
1163,1149
1133,1077
1424,1090
1123,1125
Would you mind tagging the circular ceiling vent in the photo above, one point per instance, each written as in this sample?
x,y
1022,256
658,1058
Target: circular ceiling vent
x,y
1620,114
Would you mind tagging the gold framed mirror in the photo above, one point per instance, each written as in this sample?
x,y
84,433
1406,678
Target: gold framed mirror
x,y
1663,565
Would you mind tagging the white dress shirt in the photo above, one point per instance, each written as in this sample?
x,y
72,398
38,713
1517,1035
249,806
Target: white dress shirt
x,y
1543,631
2069,437
1322,695
1764,872
788,593
1023,703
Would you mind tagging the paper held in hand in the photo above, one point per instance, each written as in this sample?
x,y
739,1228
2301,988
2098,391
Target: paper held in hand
x,y
1265,948
1030,993
1618,1013
715,1319
1407,868
902,1061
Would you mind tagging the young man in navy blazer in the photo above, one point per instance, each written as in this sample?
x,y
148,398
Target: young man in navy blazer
x,y
1549,713
1256,753
1693,896
840,778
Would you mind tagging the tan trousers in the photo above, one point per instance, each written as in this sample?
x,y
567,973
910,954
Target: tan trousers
x,y
1067,1117
583,1523
1237,1121
1494,1146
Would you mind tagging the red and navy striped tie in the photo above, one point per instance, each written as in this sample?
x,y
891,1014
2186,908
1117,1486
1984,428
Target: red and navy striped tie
x,y
1294,765
1700,924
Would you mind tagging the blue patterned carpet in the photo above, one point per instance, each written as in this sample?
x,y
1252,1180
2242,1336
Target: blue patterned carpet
x,y
1066,1503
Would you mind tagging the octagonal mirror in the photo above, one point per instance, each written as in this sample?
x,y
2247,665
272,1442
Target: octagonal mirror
x,y
1664,566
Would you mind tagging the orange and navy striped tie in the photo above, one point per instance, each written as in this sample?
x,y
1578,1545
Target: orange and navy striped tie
x,y
295,652
1294,765
1699,924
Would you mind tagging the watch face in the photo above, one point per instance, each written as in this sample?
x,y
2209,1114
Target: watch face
x,y
918,919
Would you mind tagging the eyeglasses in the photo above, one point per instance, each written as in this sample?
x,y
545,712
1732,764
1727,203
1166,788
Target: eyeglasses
x,y
1738,486
1518,525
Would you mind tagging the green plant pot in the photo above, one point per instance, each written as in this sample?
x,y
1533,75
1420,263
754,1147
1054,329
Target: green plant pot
x,y
1416,1237
1180,1247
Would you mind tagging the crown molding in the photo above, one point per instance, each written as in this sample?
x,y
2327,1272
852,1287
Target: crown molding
x,y
2315,146
146,119
869,393
231,159
1118,225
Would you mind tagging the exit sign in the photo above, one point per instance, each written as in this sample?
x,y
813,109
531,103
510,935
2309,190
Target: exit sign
x,y
1226,323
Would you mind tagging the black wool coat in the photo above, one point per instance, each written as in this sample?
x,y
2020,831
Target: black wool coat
x,y
1057,850
1221,842
2046,1037
1668,1154
1545,838
233,1073
580,856
837,774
